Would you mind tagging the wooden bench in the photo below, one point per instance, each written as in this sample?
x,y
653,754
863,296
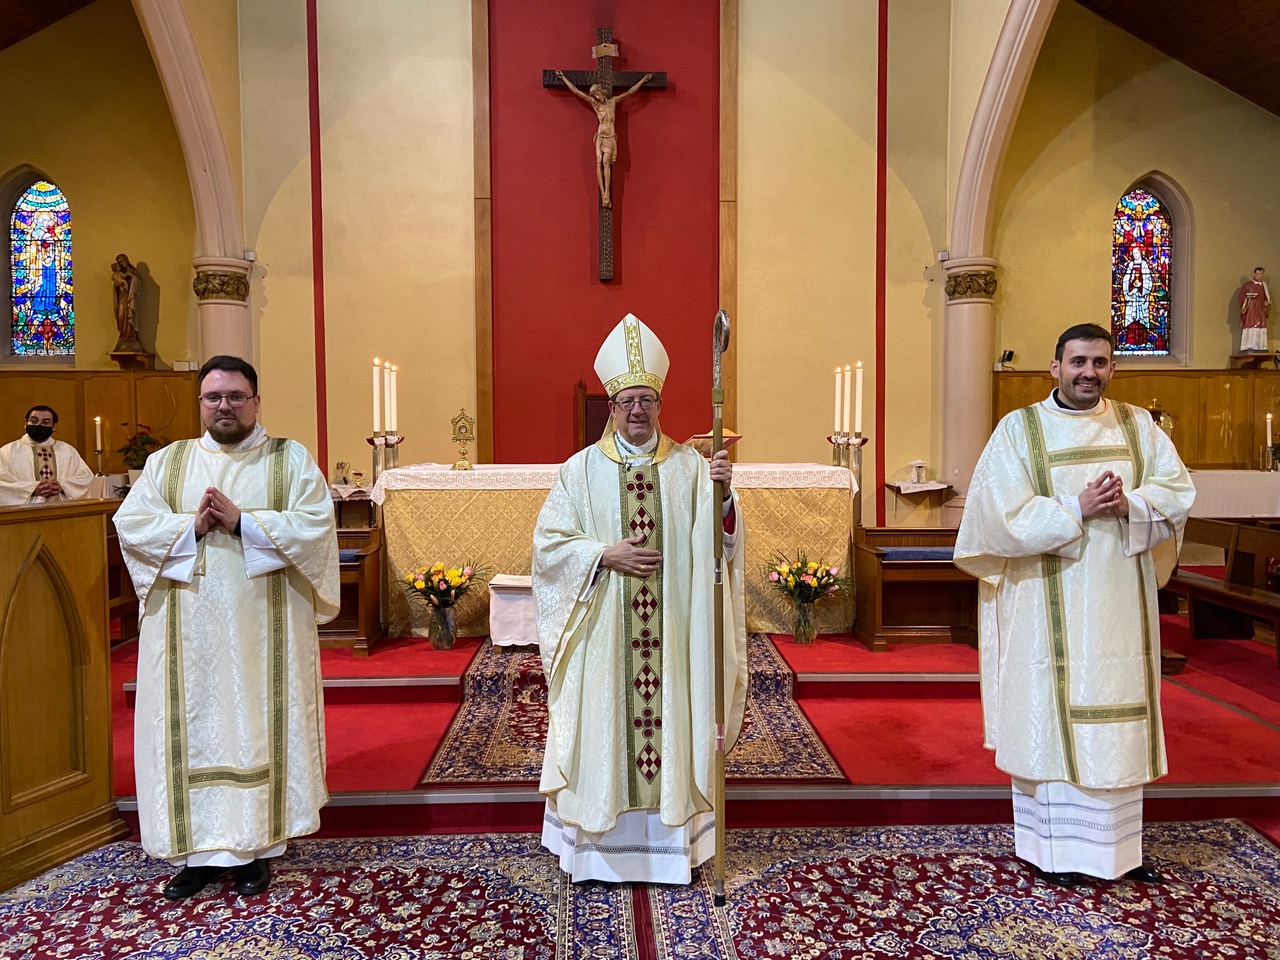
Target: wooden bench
x,y
909,591
1227,608
359,621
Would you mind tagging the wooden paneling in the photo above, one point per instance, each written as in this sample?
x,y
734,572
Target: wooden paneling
x,y
163,400
55,703
1219,415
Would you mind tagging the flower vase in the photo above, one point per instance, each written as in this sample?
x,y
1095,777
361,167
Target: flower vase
x,y
442,628
804,630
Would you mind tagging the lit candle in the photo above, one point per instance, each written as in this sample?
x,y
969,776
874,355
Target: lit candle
x,y
394,415
848,385
835,417
377,396
386,394
857,403
1268,429
97,434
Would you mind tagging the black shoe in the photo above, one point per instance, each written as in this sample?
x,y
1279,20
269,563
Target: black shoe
x,y
190,881
252,877
1145,874
1060,879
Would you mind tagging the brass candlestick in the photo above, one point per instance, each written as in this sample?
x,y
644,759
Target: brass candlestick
x,y
464,432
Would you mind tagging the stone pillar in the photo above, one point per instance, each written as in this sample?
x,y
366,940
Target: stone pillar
x,y
222,292
969,323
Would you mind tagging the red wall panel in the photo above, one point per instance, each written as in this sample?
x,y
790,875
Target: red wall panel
x,y
550,313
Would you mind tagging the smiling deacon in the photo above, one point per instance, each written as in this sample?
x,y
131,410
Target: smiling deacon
x,y
1070,505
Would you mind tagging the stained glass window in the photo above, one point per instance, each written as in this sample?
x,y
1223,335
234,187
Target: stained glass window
x,y
40,255
1141,243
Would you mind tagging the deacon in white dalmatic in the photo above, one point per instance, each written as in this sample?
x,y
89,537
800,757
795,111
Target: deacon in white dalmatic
x,y
1074,505
231,543
622,585
36,468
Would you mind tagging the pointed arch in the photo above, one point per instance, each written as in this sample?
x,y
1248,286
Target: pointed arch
x,y
37,278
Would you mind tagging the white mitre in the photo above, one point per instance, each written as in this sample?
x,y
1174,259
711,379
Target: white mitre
x,y
631,356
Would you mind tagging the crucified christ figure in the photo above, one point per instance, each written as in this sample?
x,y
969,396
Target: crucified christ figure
x,y
606,138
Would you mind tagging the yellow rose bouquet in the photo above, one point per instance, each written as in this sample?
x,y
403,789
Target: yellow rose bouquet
x,y
806,582
438,588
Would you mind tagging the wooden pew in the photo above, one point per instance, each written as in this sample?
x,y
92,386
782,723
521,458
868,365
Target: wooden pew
x,y
359,622
1227,608
909,591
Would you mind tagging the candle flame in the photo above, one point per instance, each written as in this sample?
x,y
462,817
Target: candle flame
x,y
859,365
99,419
387,365
847,368
377,362
395,368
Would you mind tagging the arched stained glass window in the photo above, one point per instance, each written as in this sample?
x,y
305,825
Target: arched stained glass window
x,y
1141,248
40,258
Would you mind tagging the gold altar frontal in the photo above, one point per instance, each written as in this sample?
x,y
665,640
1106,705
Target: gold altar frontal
x,y
486,517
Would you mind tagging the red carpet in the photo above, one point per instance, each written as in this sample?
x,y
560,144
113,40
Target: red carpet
x,y
840,653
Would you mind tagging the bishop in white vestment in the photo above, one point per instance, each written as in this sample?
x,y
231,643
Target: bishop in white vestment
x,y
36,468
231,543
1072,499
623,588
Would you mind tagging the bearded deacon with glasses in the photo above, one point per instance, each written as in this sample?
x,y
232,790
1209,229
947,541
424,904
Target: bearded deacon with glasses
x,y
231,543
623,589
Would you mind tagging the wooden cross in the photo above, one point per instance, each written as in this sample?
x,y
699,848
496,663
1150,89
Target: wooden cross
x,y
606,146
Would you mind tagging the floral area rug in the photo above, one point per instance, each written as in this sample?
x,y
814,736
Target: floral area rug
x,y
391,899
958,892
500,730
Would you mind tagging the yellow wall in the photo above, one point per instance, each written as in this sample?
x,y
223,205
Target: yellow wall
x,y
100,127
1102,111
806,200
396,152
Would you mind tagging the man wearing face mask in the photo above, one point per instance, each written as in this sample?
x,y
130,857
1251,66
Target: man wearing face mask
x,y
36,468
231,543
623,588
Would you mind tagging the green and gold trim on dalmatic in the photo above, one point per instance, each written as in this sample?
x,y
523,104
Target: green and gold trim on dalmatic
x,y
175,719
277,651
1051,574
1088,455
1151,679
640,495
1119,713
228,777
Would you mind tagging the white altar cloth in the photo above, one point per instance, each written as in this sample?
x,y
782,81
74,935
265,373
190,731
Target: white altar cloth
x,y
1236,493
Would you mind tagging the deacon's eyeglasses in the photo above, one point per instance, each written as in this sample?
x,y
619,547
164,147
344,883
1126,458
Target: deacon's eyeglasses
x,y
644,403
214,400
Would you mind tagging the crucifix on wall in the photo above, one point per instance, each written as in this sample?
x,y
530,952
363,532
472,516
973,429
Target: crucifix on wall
x,y
601,95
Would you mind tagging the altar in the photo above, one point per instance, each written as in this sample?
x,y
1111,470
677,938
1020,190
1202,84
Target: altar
x,y
486,516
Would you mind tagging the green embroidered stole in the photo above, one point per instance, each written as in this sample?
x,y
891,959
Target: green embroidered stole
x,y
641,498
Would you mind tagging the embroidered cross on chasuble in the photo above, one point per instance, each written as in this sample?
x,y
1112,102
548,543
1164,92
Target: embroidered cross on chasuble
x,y
46,466
642,517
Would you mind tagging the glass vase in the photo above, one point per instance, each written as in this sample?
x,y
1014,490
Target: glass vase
x,y
442,627
804,630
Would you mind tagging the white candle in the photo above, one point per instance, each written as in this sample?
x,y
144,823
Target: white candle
x,y
1268,429
848,389
386,394
97,434
835,416
377,396
394,415
857,402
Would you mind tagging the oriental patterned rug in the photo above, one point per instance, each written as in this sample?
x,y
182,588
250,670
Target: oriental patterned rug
x,y
959,892
801,894
500,730
392,899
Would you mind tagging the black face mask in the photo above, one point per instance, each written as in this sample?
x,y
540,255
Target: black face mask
x,y
39,432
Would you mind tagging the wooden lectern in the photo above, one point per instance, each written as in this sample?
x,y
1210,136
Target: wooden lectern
x,y
55,704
